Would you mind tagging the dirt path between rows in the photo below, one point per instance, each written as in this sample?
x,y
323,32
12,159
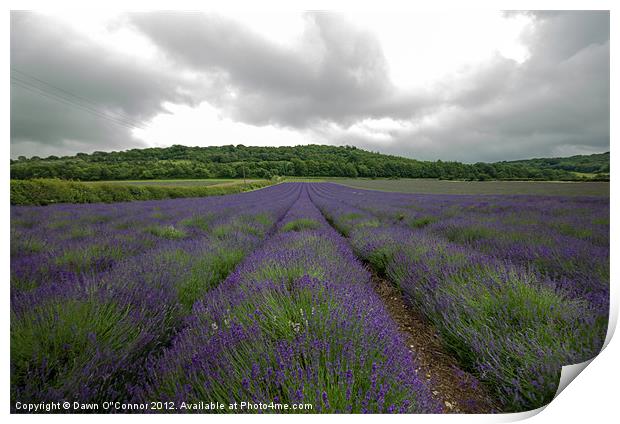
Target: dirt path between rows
x,y
457,390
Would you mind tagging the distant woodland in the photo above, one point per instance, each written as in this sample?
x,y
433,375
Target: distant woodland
x,y
301,161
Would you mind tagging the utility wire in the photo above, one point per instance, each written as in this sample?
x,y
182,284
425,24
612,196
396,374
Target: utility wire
x,y
39,81
45,86
69,103
68,100
72,100
65,101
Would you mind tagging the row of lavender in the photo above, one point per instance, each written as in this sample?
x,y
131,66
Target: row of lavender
x,y
96,289
511,323
62,242
566,239
296,323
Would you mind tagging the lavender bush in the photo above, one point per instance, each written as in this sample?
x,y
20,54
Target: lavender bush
x,y
297,322
262,296
514,325
84,332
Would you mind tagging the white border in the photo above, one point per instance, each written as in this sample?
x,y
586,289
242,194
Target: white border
x,y
591,397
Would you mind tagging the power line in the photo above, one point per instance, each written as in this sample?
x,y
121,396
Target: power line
x,y
45,86
73,100
68,103
127,118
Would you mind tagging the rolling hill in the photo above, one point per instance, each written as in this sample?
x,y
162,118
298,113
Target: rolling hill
x,y
303,161
597,163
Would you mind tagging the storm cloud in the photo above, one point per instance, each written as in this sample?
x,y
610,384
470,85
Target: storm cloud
x,y
112,82
332,84
338,73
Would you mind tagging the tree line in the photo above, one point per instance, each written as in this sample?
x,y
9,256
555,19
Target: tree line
x,y
265,162
597,163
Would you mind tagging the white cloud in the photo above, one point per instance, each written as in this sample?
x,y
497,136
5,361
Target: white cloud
x,y
424,47
205,125
476,85
106,28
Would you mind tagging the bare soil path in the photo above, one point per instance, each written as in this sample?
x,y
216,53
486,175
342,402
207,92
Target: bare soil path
x,y
457,390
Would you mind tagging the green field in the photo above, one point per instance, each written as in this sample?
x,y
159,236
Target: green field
x,y
177,183
430,186
50,191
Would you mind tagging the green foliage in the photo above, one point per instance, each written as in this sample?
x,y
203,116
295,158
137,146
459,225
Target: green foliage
x,y
50,191
95,219
254,225
83,259
227,230
287,274
301,224
595,164
380,257
514,312
64,336
281,315
468,234
197,221
80,232
301,161
25,245
168,232
350,216
422,221
573,231
261,218
206,273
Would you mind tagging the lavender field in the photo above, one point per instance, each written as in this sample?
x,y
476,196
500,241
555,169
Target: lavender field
x,y
270,297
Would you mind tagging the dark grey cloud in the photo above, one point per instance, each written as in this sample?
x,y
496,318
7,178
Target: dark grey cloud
x,y
339,74
554,103
112,82
557,102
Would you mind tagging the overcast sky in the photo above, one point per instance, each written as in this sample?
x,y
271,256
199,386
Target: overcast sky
x,y
479,86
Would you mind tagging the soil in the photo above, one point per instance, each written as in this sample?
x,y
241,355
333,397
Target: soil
x,y
456,390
